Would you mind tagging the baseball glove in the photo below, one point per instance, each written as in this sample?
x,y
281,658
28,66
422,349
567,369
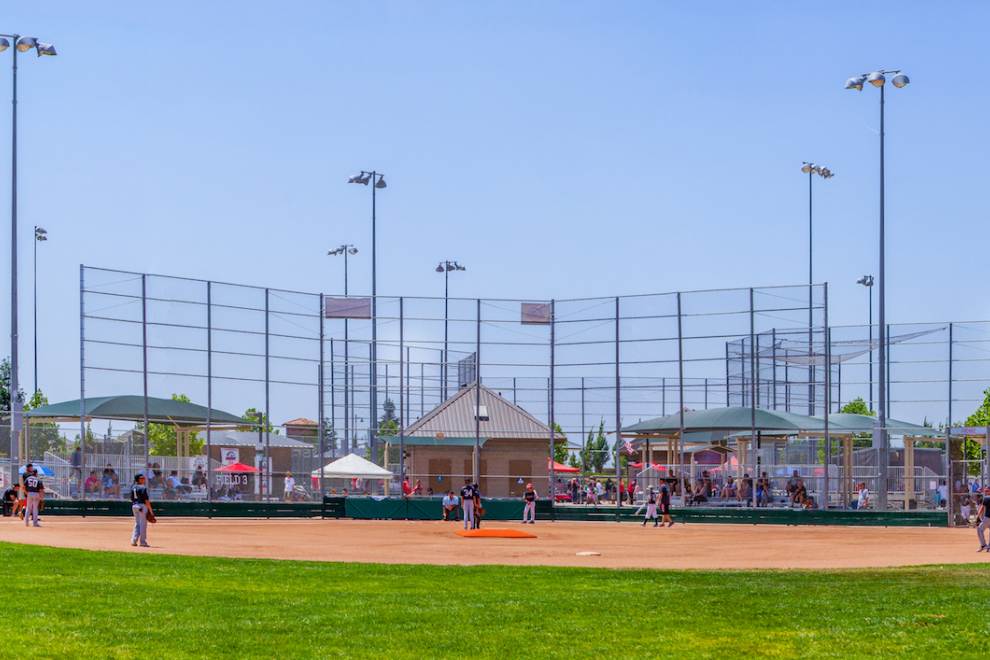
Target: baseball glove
x,y
151,517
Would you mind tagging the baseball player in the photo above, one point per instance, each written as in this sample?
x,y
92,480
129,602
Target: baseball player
x,y
467,502
35,492
529,508
983,520
665,504
651,508
141,507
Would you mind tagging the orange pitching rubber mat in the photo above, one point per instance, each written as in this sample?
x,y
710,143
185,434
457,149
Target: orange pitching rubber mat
x,y
492,533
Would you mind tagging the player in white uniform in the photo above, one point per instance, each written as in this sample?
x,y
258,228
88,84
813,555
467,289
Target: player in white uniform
x,y
651,508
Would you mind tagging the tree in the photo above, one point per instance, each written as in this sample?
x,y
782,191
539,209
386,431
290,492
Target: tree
x,y
43,436
573,461
251,415
594,454
5,373
971,450
857,407
561,452
163,438
388,425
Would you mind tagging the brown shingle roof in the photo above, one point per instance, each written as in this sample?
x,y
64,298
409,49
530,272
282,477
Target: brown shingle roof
x,y
300,421
455,418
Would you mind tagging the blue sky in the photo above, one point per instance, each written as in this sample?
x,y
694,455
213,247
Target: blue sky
x,y
558,149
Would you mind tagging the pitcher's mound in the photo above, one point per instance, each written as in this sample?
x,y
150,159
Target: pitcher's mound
x,y
489,533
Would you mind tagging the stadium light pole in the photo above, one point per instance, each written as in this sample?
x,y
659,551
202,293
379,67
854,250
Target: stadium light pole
x,y
867,281
345,249
446,267
878,79
811,170
21,45
40,235
377,181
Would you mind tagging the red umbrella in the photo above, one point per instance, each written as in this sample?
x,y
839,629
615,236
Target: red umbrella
x,y
238,468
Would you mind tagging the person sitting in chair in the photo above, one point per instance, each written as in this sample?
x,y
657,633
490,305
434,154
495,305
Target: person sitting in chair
x,y
450,505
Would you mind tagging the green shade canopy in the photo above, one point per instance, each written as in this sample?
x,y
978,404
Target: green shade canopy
x,y
730,420
131,408
840,423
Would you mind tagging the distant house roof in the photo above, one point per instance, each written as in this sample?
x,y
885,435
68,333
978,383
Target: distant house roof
x,y
300,421
455,418
250,439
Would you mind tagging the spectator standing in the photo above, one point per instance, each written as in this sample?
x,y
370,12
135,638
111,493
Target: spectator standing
x,y
288,486
76,461
632,492
406,488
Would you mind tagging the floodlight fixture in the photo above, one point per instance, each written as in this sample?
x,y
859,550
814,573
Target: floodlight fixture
x,y
24,44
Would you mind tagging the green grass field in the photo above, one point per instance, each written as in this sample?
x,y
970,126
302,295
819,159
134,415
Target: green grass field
x,y
73,603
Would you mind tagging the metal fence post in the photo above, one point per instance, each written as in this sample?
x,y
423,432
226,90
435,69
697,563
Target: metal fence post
x,y
402,392
267,481
209,395
476,458
82,391
680,386
949,483
618,410
144,375
828,397
550,403
752,398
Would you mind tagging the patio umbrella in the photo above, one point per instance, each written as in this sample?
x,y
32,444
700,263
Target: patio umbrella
x,y
238,468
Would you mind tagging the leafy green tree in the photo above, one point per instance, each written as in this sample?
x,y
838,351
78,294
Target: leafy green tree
x,y
574,461
857,407
388,425
43,436
971,450
251,415
594,454
163,438
5,373
560,450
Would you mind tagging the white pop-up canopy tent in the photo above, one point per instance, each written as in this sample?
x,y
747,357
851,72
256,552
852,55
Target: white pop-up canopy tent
x,y
353,466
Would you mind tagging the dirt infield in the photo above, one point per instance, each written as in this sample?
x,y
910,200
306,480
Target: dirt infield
x,y
622,545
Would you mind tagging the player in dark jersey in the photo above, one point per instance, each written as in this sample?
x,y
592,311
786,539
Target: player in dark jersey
x,y
140,507
529,506
35,490
665,504
467,503
983,520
